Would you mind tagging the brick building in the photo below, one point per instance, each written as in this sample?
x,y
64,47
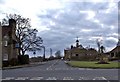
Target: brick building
x,y
9,41
115,52
78,52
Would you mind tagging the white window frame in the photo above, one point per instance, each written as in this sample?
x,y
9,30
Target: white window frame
x,y
5,57
5,43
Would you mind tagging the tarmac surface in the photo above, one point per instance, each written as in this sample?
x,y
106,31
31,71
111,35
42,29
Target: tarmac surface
x,y
58,70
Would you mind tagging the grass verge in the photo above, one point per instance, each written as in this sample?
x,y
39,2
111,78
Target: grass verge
x,y
93,64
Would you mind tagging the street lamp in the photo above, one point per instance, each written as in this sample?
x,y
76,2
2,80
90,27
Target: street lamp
x,y
43,52
51,52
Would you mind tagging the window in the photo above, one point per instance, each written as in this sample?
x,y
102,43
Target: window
x,y
112,54
5,43
76,54
5,57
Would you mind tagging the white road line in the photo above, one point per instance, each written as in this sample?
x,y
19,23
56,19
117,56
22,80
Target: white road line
x,y
67,78
22,78
36,78
81,69
81,78
8,78
49,69
51,65
51,78
99,78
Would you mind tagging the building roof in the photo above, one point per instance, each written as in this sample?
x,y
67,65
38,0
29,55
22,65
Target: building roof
x,y
7,30
118,44
116,49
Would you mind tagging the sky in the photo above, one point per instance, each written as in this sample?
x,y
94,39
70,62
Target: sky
x,y
60,22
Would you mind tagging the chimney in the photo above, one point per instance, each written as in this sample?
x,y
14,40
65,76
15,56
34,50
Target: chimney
x,y
12,25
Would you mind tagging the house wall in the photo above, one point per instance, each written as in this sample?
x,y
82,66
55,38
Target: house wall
x,y
113,53
66,54
12,25
80,54
10,51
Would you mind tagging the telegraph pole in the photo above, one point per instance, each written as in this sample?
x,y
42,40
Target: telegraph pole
x,y
43,52
50,51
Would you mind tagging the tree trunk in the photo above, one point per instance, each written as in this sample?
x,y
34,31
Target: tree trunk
x,y
19,46
23,52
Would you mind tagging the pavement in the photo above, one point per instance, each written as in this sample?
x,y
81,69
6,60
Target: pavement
x,y
58,70
26,65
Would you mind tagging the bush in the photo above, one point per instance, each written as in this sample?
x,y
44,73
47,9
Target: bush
x,y
13,62
113,59
5,64
23,59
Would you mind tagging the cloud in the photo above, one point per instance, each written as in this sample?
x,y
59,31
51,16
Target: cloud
x,y
75,22
1,1
60,21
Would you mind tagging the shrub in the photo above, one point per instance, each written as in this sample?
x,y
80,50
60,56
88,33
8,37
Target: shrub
x,y
5,64
23,59
113,59
13,62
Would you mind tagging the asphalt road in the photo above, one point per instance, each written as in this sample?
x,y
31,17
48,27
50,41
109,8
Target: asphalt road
x,y
58,70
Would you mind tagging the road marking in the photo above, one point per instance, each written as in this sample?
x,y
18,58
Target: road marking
x,y
50,67
22,78
67,78
81,78
51,78
8,78
99,78
36,78
81,69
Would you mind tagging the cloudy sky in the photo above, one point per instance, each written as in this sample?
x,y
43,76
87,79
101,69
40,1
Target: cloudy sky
x,y
60,21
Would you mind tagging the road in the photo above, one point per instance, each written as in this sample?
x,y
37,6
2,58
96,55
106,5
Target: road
x,y
58,70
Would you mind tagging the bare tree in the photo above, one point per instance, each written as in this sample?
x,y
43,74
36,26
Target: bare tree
x,y
27,37
58,54
98,44
31,42
101,50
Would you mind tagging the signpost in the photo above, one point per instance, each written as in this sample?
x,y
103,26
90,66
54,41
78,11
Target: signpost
x,y
34,53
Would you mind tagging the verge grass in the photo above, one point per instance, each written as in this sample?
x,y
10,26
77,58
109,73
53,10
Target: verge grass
x,y
93,64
